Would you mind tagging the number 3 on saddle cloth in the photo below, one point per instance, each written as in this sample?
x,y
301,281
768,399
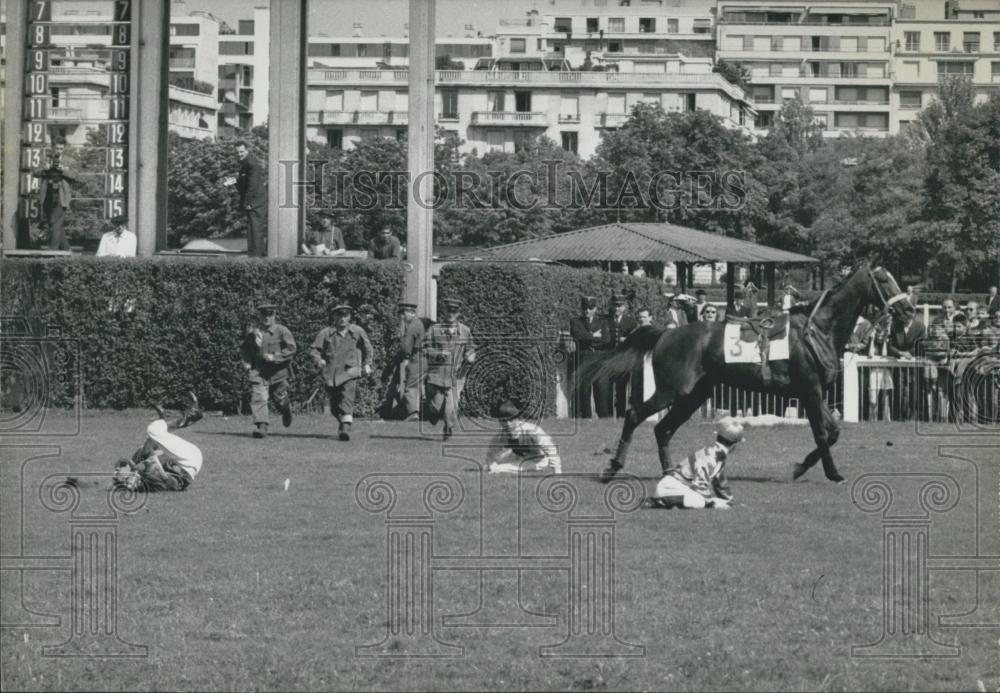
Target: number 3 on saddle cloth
x,y
753,340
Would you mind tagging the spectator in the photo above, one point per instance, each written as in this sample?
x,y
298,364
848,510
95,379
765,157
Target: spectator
x,y
385,246
637,378
251,185
119,242
449,351
880,383
903,341
621,325
342,353
329,240
54,197
740,308
709,313
700,303
860,337
913,295
935,351
644,316
593,336
408,365
948,313
266,353
676,316
971,311
993,302
790,297
750,296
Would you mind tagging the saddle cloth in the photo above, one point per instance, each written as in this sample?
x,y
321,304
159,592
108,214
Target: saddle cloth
x,y
743,340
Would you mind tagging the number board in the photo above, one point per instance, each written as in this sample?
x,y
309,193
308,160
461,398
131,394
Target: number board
x,y
51,109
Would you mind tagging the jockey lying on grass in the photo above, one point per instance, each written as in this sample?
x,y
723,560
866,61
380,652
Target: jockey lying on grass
x,y
165,462
699,481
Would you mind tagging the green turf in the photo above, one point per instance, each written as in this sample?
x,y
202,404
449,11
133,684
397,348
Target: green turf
x,y
237,584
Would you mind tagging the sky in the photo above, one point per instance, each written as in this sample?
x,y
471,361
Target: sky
x,y
378,17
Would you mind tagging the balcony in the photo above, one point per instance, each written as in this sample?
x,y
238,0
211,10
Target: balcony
x,y
610,120
537,119
357,118
569,118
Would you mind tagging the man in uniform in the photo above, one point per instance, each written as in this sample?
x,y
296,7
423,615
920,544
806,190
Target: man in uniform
x,y
593,336
621,326
250,184
448,350
267,354
343,353
407,371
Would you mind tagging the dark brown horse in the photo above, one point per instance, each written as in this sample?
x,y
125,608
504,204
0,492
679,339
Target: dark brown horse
x,y
688,362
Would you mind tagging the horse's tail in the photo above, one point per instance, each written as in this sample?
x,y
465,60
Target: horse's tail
x,y
628,356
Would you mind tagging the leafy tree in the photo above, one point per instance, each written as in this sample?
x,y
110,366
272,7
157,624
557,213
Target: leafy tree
x,y
962,183
733,72
444,62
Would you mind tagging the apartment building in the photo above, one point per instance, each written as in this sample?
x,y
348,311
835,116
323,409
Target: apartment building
x,y
934,39
360,52
835,57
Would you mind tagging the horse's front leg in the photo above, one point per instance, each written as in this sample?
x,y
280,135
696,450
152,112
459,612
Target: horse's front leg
x,y
825,433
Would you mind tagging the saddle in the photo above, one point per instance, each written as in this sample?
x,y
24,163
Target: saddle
x,y
762,331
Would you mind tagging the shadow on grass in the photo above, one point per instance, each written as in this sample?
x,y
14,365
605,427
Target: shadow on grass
x,y
427,439
272,434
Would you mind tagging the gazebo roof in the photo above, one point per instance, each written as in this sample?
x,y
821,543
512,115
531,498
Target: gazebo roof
x,y
639,242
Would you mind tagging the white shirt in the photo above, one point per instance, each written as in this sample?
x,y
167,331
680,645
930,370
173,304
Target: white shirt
x,y
533,442
115,245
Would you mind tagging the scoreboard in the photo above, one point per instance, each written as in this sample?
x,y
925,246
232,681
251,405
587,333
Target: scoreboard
x,y
43,120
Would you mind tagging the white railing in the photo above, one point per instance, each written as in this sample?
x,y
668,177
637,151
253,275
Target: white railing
x,y
537,118
537,77
610,120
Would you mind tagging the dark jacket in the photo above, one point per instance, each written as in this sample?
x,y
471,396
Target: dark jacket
x,y
583,331
250,184
620,330
278,341
901,339
344,355
385,251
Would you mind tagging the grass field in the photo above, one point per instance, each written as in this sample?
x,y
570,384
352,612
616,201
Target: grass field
x,y
238,584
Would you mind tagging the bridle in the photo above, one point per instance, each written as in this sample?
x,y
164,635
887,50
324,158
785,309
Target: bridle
x,y
887,303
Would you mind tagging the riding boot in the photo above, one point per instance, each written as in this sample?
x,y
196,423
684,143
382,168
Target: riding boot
x,y
345,431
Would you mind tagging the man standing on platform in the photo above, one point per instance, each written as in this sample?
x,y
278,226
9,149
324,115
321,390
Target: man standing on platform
x,y
621,326
342,353
593,336
250,184
54,197
448,351
385,246
267,354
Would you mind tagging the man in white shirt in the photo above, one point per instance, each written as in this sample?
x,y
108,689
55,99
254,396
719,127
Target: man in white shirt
x,y
119,242
525,440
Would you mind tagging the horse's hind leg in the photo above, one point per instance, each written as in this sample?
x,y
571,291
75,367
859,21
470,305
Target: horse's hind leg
x,y
634,417
679,413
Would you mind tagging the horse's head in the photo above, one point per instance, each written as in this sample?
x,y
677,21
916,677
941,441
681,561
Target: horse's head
x,y
886,295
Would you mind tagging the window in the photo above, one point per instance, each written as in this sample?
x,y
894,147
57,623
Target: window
x,y
868,121
763,94
400,134
817,95
702,26
614,46
690,103
995,72
996,41
495,101
402,101
563,25
970,41
335,138
876,44
522,101
334,100
386,101
517,45
185,30
324,50
362,50
672,27
764,119
569,141
369,101
910,99
964,68
55,97
912,40
494,140
235,48
616,103
616,24
647,25
592,25
789,93
386,50
848,69
569,109
449,104
942,41
910,70
245,27
776,69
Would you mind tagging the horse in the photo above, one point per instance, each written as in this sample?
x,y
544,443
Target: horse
x,y
689,361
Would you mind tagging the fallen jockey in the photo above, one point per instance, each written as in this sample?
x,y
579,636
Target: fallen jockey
x,y
524,440
165,462
700,480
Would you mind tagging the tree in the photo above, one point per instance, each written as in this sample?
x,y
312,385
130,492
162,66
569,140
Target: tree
x,y
734,73
962,183
444,62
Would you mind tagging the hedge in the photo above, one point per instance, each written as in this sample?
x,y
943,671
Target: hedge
x,y
149,329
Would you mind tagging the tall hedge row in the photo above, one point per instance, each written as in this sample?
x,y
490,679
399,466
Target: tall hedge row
x,y
149,329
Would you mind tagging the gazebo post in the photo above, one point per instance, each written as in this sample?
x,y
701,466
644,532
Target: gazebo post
x,y
769,268
730,283
682,276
